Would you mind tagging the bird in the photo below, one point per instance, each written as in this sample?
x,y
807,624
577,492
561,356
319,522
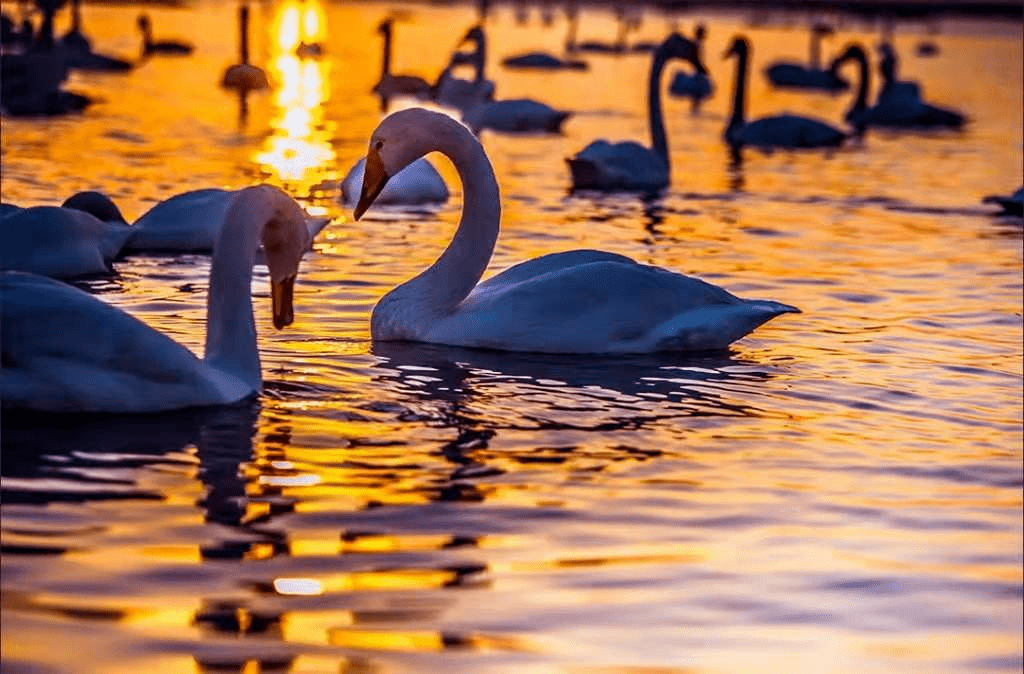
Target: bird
x,y
61,242
244,76
111,362
396,85
616,47
696,86
899,108
189,222
149,47
812,76
1011,205
418,183
517,115
462,94
580,301
629,165
539,60
78,48
785,131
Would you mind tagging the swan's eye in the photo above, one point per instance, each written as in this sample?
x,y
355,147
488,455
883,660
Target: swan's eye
x,y
378,145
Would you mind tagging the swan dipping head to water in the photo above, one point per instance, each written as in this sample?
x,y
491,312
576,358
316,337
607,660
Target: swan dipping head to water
x,y
579,301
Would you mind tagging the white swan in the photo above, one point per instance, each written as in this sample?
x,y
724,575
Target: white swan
x,y
418,183
629,165
396,85
581,301
462,94
64,350
59,242
187,222
517,115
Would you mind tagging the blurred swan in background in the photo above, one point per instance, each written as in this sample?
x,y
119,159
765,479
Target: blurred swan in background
x,y
418,183
1012,204
79,50
243,75
62,242
811,76
581,301
539,60
629,165
518,115
785,131
695,86
461,94
396,85
65,350
149,46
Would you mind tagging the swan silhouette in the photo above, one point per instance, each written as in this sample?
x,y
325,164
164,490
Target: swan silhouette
x,y
390,85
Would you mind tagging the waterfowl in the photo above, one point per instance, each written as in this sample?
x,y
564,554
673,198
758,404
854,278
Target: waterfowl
x,y
1011,205
112,362
417,184
518,115
462,94
149,46
581,301
59,242
244,76
781,131
616,47
396,85
696,86
812,76
629,165
78,48
539,60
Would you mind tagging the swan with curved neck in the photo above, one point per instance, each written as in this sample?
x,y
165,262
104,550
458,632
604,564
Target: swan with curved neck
x,y
112,362
396,85
465,94
897,107
149,46
696,86
581,301
785,131
629,165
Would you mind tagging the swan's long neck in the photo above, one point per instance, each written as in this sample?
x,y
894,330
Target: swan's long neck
x,y
243,33
816,49
861,102
739,94
659,141
76,16
570,38
230,327
443,285
481,57
385,68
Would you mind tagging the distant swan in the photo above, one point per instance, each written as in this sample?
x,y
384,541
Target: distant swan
x,y
396,85
696,86
462,94
629,165
78,48
900,107
418,183
538,60
60,242
150,47
244,76
785,131
581,301
517,115
812,76
1012,204
65,350
189,222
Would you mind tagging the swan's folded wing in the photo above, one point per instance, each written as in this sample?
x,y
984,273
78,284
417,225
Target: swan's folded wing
x,y
545,264
186,222
65,350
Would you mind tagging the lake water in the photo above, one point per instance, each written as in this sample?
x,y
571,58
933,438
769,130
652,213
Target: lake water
x,y
840,492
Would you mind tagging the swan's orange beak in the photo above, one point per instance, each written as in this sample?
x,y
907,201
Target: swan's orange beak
x,y
374,179
281,301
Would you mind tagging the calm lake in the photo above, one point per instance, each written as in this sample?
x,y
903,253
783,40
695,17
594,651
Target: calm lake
x,y
840,492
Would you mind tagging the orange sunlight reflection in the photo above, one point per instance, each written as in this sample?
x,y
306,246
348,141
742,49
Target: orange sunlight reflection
x,y
299,149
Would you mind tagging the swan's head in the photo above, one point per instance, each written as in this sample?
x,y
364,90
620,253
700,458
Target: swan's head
x,y
677,46
285,239
475,34
700,33
143,22
399,140
95,204
739,47
384,27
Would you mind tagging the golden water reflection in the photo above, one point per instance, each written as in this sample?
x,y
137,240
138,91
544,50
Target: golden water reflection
x,y
298,151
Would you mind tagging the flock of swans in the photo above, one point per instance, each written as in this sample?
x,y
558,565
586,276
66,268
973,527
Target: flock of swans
x,y
573,302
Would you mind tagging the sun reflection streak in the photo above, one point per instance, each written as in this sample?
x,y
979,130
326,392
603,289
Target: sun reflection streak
x,y
299,148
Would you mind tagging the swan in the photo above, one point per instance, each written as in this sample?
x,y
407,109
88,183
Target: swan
x,y
79,51
164,46
396,85
243,75
787,131
60,242
109,361
514,116
901,107
617,47
812,76
538,60
581,301
1011,205
629,165
418,183
464,94
697,86
30,84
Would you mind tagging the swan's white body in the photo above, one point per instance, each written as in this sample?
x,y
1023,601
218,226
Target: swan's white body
x,y
190,222
519,115
65,350
418,183
59,242
580,301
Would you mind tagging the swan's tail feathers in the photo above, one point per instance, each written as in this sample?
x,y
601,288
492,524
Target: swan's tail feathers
x,y
715,327
315,226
